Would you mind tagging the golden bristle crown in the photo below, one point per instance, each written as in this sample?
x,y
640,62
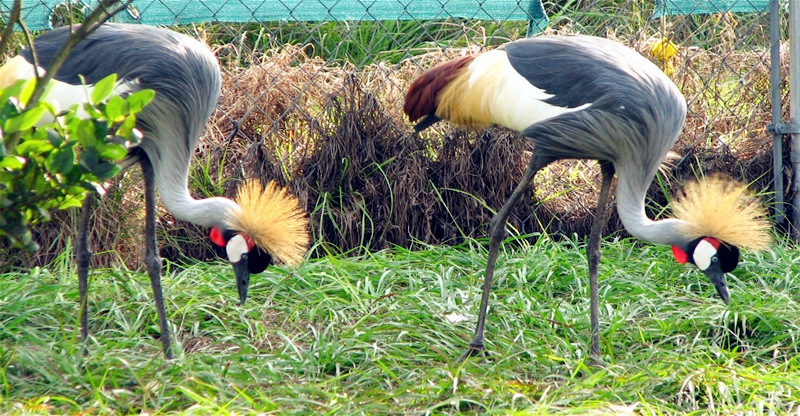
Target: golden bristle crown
x,y
724,208
273,219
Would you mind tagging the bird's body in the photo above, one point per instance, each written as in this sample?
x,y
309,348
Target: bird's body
x,y
183,73
575,97
185,76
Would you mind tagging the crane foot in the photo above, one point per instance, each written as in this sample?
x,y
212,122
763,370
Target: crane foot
x,y
473,351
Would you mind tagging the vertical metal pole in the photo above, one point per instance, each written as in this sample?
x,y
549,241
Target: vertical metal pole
x,y
794,110
777,110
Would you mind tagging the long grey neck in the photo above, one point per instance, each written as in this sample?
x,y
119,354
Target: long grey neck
x,y
209,212
631,193
169,147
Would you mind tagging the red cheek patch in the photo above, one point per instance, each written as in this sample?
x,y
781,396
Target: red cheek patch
x,y
680,256
216,237
713,241
249,242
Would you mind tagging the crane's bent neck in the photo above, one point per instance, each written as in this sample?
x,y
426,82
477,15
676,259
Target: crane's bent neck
x,y
631,195
208,212
171,179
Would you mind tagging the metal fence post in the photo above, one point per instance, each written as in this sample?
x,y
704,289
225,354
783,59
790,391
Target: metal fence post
x,y
777,110
794,111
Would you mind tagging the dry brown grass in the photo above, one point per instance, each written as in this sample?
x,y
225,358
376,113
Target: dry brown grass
x,y
336,136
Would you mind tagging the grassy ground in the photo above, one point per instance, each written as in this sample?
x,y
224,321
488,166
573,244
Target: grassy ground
x,y
381,335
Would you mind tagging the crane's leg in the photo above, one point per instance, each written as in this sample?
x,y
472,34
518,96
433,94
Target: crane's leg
x,y
497,231
152,259
83,259
593,254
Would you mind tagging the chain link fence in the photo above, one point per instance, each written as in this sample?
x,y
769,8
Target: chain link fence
x,y
313,90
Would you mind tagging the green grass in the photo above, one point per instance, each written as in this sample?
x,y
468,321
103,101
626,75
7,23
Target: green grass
x,y
381,334
360,42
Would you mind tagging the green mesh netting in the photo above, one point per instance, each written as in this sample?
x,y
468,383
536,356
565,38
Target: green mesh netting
x,y
37,14
687,7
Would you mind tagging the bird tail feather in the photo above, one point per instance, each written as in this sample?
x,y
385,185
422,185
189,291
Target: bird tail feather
x,y
422,97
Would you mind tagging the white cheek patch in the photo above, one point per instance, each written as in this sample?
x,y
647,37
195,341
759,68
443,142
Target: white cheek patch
x,y
703,254
236,247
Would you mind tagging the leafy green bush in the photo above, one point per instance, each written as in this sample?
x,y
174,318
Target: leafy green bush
x,y
49,160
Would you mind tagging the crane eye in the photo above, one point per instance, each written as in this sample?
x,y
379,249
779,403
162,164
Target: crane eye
x,y
244,256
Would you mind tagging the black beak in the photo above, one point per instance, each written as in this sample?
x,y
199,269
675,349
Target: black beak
x,y
717,277
242,274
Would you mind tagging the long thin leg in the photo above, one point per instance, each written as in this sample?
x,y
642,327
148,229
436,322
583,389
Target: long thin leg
x,y
83,259
593,254
497,231
152,260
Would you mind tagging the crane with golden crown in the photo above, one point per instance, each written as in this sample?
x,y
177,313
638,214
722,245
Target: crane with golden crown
x,y
584,97
259,225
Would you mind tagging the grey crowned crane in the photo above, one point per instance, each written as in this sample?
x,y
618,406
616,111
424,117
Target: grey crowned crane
x,y
584,97
260,225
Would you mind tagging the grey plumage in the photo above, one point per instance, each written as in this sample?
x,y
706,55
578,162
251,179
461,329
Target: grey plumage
x,y
633,105
634,119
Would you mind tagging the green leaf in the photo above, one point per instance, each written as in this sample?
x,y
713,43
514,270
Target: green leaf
x,y
71,201
84,131
103,88
27,91
9,110
126,128
111,151
76,190
33,147
100,130
25,120
45,214
116,109
105,170
12,90
139,99
7,180
61,161
91,186
39,134
73,175
25,241
40,185
92,111
54,138
12,162
89,159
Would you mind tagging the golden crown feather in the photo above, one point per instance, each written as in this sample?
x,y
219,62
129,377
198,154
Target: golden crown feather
x,y
273,219
724,208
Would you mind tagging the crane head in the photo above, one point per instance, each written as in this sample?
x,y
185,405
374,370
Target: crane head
x,y
719,215
266,224
712,257
245,257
